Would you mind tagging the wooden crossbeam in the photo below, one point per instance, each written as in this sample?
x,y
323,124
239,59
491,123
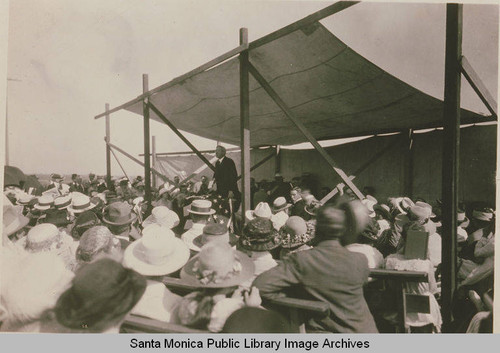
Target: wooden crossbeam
x,y
478,86
181,136
138,161
277,99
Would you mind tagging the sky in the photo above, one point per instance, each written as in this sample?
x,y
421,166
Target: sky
x,y
66,59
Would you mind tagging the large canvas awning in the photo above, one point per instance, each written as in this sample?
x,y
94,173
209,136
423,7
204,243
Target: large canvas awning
x,y
333,90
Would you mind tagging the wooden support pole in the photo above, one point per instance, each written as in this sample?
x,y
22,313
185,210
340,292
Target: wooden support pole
x,y
244,124
147,157
277,165
478,86
181,136
277,99
108,149
451,149
407,162
153,155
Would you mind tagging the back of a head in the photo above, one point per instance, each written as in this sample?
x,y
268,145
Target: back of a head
x,y
330,223
102,294
31,285
257,320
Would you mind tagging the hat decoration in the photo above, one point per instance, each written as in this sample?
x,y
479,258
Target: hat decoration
x,y
260,235
295,232
218,266
485,215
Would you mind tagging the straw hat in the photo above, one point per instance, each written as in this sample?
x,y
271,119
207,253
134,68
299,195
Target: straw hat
x,y
163,216
157,253
370,202
218,265
44,202
419,213
25,199
62,202
215,232
13,220
118,214
463,221
262,210
201,207
56,177
80,203
42,237
403,204
280,204
425,205
485,215
295,233
260,235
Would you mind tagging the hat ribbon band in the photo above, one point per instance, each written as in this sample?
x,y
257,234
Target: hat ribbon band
x,y
45,203
200,209
67,203
80,207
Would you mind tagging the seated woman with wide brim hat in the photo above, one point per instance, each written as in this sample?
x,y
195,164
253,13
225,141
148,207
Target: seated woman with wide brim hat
x,y
157,253
217,271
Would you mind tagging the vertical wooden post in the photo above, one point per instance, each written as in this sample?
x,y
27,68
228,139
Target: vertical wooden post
x,y
153,158
147,153
451,144
244,124
407,163
277,165
108,149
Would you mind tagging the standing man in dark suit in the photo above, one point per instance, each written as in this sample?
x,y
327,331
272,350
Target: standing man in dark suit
x,y
226,177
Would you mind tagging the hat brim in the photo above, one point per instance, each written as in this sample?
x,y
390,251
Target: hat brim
x,y
132,219
92,205
465,223
17,225
267,245
188,276
178,258
276,210
42,208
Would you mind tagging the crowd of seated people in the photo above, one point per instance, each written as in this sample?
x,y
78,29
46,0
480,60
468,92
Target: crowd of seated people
x,y
82,257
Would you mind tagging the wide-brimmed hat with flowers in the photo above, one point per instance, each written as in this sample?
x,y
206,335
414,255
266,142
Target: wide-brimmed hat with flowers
x,y
218,265
295,233
260,235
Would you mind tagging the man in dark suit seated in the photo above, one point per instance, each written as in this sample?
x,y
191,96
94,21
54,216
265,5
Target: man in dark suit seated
x,y
328,272
226,177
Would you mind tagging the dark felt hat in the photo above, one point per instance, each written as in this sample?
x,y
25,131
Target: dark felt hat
x,y
101,294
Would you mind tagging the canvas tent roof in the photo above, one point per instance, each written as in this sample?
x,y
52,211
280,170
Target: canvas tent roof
x,y
333,90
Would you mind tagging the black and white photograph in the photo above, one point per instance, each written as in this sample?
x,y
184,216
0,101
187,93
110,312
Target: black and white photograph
x,y
205,167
